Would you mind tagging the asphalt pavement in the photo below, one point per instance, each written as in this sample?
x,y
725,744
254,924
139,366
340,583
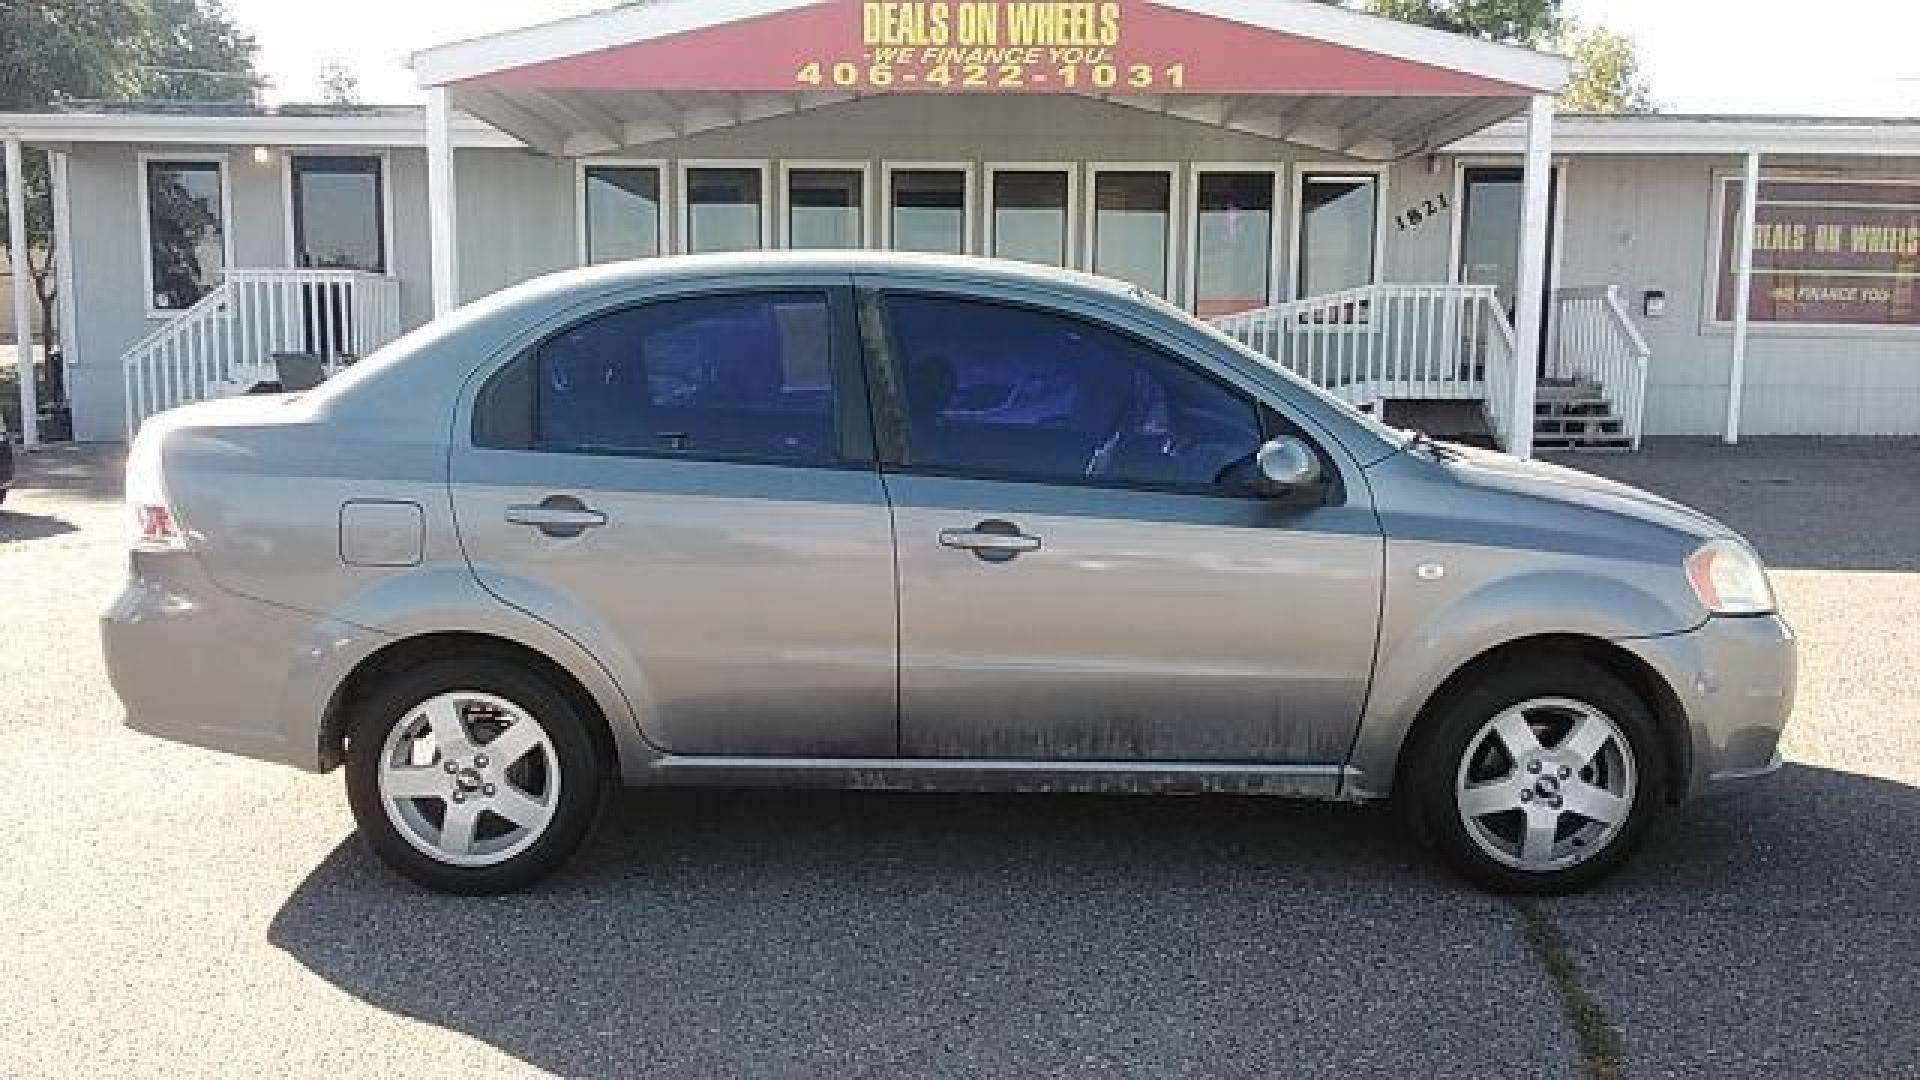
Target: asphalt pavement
x,y
170,911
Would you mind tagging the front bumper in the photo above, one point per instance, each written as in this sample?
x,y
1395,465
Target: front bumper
x,y
196,664
1735,681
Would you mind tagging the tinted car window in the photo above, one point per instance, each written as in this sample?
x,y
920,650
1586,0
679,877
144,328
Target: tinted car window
x,y
999,390
739,376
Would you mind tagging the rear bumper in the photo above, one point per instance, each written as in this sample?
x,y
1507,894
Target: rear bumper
x,y
1735,679
196,664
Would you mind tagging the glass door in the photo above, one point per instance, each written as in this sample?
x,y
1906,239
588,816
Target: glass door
x,y
339,223
1490,213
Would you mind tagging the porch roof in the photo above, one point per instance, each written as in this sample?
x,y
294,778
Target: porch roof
x,y
1294,70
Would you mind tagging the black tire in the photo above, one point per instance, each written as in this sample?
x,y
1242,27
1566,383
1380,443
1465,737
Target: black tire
x,y
1433,760
581,769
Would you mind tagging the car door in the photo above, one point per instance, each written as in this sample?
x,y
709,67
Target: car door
x,y
686,483
1081,575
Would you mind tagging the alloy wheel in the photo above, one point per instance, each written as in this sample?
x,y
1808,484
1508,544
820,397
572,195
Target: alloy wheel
x,y
1546,784
469,779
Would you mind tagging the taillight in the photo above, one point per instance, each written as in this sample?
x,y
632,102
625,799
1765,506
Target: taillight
x,y
155,526
157,529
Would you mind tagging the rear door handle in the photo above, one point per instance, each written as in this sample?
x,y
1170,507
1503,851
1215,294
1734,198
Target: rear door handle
x,y
557,515
994,541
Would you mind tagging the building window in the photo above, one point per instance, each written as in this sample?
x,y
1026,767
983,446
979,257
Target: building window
x,y
1132,227
620,212
1827,251
339,216
927,210
1032,214
1233,242
826,208
186,225
1339,232
725,209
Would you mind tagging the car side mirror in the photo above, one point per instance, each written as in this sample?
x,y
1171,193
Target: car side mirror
x,y
1288,464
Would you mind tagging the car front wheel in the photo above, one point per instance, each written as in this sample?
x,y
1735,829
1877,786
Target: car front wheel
x,y
472,775
1539,779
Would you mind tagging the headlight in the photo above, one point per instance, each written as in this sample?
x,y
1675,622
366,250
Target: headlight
x,y
1729,580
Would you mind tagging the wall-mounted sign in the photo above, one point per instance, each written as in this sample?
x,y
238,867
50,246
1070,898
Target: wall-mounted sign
x,y
1422,212
1833,252
997,47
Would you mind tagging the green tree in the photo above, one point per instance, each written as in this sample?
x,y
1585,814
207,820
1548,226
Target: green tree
x,y
1606,67
1606,73
1516,22
55,51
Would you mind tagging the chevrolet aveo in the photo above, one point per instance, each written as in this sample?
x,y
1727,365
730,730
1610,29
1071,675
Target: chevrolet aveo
x,y
887,522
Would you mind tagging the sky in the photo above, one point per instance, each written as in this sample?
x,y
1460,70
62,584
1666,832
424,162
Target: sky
x,y
1833,58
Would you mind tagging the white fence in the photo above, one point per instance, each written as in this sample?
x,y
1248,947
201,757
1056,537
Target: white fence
x,y
1594,339
1414,342
225,344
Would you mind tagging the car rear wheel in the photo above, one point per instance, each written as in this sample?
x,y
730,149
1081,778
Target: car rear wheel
x,y
1538,779
472,775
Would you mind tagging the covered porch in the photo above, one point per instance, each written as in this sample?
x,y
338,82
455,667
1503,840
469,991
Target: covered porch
x,y
1286,246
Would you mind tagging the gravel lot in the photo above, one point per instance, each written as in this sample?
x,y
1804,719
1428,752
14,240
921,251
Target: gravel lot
x,y
171,911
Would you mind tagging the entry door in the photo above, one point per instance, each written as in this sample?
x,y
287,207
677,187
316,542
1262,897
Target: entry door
x,y
1083,576
338,224
1490,216
687,486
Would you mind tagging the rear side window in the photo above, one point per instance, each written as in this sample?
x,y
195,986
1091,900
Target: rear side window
x,y
995,390
741,376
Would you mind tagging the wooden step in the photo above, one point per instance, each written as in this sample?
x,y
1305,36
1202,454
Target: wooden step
x,y
1588,426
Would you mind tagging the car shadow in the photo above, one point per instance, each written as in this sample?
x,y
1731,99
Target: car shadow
x,y
721,933
17,527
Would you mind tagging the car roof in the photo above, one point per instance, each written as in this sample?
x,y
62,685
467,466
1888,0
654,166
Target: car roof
x,y
887,263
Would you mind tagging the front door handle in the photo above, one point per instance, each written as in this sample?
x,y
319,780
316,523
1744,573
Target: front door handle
x,y
993,541
557,515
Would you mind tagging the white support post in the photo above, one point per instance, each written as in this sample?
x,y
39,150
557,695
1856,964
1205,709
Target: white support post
x,y
17,259
1530,298
1743,298
442,211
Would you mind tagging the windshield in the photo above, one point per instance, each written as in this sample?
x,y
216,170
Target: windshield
x,y
1392,435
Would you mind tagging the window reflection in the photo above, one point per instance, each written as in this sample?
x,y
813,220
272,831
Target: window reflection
x,y
929,209
723,210
1132,215
1338,222
1030,216
623,213
825,209
1233,243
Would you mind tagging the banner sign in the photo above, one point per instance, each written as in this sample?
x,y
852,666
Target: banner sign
x,y
995,47
1826,252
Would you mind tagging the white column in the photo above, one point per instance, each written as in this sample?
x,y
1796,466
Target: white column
x,y
1531,297
22,294
1743,298
442,211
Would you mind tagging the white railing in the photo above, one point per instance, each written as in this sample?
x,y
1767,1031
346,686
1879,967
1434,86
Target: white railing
x,y
1595,339
225,344
1380,342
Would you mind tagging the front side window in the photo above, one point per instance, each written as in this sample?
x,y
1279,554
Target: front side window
x,y
1133,216
1233,243
723,210
743,377
825,209
1012,392
622,212
1339,223
186,231
929,210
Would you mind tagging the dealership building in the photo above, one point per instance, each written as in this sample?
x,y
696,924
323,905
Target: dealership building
x,y
1393,212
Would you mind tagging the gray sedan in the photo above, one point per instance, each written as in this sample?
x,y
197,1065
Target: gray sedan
x,y
909,523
